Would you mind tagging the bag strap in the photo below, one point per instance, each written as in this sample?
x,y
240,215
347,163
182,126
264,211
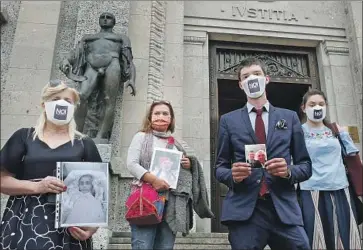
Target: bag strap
x,y
334,128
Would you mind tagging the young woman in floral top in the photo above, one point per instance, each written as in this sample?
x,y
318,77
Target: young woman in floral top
x,y
329,218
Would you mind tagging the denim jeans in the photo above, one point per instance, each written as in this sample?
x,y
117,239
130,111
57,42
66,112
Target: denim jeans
x,y
157,237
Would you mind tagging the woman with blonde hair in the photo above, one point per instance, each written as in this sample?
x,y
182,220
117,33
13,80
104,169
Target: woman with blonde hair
x,y
28,164
190,193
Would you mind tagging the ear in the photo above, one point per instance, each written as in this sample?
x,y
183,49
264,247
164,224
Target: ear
x,y
267,79
302,108
42,104
240,84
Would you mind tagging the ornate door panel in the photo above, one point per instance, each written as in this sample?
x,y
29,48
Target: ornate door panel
x,y
285,66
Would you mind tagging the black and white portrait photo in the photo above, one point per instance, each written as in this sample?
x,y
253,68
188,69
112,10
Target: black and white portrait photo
x,y
85,202
165,164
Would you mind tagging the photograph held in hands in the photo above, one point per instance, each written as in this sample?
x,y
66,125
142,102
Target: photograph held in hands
x,y
256,155
85,202
165,164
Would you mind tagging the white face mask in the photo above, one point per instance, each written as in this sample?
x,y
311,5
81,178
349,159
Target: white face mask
x,y
254,86
59,112
316,113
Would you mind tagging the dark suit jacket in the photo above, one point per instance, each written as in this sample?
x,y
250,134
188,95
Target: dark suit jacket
x,y
235,131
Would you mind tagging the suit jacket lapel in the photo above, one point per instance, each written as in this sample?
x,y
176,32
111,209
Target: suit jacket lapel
x,y
247,124
272,119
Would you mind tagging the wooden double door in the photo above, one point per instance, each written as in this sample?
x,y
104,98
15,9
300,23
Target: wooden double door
x,y
293,70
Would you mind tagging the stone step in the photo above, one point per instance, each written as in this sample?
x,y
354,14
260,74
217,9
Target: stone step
x,y
179,240
191,235
176,246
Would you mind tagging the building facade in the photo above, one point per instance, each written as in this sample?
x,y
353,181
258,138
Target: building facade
x,y
187,52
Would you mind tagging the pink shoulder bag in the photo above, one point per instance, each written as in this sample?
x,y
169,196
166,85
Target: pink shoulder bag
x,y
144,206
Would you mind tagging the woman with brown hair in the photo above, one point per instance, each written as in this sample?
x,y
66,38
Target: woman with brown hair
x,y
28,164
328,213
158,125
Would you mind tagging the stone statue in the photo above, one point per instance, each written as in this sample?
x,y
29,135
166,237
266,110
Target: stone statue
x,y
100,63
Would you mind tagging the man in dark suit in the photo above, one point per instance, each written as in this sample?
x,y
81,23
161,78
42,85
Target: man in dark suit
x,y
261,206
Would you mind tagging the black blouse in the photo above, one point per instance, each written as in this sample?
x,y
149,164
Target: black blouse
x,y
34,159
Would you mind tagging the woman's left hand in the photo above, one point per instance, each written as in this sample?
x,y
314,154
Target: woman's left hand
x,y
185,162
83,233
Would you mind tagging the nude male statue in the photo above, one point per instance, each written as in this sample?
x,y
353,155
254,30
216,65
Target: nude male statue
x,y
102,62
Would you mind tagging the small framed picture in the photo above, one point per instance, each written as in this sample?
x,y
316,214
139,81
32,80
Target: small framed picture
x,y
165,164
256,155
85,202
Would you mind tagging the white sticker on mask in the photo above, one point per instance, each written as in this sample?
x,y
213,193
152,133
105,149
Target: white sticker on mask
x,y
60,112
318,113
253,85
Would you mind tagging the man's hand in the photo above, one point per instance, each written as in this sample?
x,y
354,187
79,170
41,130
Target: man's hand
x,y
83,233
240,171
277,167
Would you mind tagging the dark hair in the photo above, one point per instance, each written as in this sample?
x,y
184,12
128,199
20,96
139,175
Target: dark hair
x,y
146,125
249,61
93,191
307,95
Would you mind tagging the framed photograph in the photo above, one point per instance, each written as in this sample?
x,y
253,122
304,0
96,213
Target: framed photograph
x,y
256,155
165,164
85,202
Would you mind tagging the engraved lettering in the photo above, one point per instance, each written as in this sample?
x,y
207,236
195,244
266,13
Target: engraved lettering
x,y
236,11
275,11
279,12
270,14
260,12
264,12
293,17
252,13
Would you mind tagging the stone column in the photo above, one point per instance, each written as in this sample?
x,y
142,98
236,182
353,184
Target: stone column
x,y
134,107
337,82
353,11
173,66
196,118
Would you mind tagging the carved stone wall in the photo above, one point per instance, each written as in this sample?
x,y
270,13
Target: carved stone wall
x,y
11,10
156,51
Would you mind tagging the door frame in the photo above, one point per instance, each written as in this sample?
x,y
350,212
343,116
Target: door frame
x,y
214,76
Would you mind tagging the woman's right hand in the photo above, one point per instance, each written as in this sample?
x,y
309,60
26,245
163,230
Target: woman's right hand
x,y
160,185
50,184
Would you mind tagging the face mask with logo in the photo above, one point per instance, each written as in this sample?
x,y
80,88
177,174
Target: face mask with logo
x,y
254,86
316,113
59,112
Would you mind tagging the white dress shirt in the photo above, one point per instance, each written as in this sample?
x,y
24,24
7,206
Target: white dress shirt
x,y
253,115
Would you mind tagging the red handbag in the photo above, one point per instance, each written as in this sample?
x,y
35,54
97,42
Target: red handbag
x,y
144,206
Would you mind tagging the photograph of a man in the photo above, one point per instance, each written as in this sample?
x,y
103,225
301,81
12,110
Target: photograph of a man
x,y
260,159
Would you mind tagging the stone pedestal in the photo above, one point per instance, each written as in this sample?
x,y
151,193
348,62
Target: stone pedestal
x,y
100,239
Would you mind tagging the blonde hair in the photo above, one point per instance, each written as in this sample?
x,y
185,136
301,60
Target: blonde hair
x,y
47,93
